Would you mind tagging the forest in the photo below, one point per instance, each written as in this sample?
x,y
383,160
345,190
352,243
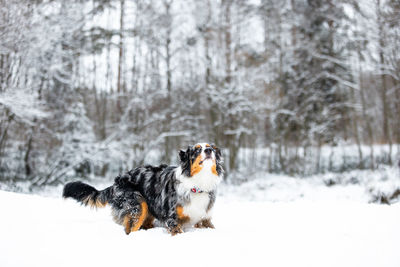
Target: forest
x,y
93,88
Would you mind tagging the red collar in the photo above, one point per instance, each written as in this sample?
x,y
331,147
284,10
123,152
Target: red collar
x,y
196,190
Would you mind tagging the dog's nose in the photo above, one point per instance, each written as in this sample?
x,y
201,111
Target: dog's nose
x,y
208,151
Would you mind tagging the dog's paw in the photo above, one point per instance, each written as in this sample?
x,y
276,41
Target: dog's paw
x,y
209,224
175,230
205,224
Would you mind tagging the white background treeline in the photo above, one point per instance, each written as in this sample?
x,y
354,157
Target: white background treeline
x,y
92,88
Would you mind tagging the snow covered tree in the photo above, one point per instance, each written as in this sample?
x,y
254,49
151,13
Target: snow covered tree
x,y
113,81
314,76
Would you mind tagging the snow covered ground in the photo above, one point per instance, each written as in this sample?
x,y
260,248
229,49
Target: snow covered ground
x,y
361,186
312,229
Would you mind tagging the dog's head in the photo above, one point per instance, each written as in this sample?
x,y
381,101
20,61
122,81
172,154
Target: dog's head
x,y
201,157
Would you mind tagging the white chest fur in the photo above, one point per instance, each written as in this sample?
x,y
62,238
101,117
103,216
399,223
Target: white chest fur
x,y
197,207
204,180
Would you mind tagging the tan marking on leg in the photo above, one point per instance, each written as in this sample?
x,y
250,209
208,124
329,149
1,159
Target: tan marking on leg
x,y
143,215
148,223
127,223
133,223
182,218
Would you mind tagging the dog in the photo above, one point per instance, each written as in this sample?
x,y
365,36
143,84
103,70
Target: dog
x,y
177,197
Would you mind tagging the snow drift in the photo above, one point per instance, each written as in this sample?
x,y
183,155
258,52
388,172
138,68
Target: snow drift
x,y
39,231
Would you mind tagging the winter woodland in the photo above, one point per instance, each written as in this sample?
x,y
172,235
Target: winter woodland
x,y
89,89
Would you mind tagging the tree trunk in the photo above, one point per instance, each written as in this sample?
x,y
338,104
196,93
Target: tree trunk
x,y
121,47
396,85
385,104
4,130
168,55
354,120
228,39
364,112
28,169
207,37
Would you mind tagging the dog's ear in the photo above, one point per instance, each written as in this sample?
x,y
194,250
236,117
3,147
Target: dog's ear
x,y
219,160
185,161
182,155
217,151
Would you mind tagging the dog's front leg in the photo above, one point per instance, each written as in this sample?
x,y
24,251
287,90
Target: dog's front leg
x,y
173,226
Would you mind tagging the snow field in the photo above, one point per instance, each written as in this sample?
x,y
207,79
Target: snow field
x,y
38,231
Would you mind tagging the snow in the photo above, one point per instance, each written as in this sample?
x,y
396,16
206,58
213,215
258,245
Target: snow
x,y
361,186
45,231
23,104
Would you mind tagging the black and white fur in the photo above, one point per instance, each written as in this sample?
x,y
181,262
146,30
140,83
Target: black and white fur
x,y
163,188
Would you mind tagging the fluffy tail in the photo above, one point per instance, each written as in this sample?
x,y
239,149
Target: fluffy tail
x,y
87,195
